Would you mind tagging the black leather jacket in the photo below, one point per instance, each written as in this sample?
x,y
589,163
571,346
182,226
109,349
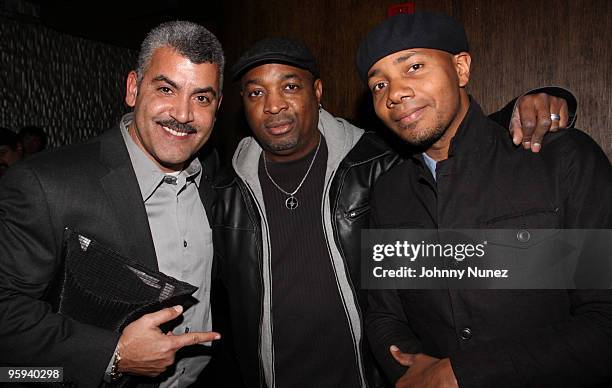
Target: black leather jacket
x,y
237,233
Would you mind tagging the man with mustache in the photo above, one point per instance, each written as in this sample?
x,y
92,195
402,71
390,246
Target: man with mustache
x,y
287,224
467,175
137,189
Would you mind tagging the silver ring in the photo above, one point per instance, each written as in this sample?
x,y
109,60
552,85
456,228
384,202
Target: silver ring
x,y
555,117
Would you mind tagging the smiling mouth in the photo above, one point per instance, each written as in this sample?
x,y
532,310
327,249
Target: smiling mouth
x,y
175,132
409,117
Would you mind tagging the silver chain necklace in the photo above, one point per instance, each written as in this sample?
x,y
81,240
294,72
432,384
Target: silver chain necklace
x,y
291,202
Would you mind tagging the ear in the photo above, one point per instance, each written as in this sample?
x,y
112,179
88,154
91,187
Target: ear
x,y
131,89
318,88
463,61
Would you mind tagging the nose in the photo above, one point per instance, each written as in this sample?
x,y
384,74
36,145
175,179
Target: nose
x,y
398,91
275,103
182,110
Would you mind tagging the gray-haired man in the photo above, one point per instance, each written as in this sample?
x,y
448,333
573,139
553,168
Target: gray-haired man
x,y
136,189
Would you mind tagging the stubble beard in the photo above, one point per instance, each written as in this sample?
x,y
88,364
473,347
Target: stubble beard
x,y
422,138
282,146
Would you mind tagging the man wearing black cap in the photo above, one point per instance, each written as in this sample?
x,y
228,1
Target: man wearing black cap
x,y
287,225
468,176
294,310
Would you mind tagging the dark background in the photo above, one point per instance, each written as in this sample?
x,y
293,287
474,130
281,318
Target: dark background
x,y
63,63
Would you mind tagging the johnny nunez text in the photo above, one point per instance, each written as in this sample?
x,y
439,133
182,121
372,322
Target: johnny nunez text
x,y
471,272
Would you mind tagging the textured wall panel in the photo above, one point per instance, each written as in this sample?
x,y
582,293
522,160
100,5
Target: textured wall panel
x,y
72,87
516,45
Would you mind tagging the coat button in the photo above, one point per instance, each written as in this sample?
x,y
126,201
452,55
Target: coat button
x,y
523,235
185,243
466,333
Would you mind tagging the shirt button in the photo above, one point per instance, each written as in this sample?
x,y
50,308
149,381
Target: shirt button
x,y
523,235
466,333
185,243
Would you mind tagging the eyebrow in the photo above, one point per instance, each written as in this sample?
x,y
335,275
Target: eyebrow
x,y
258,81
208,89
251,81
163,78
404,58
289,76
397,61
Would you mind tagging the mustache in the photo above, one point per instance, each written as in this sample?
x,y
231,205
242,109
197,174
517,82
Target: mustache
x,y
278,121
173,124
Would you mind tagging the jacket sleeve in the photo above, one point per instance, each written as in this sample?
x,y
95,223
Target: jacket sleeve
x,y
386,325
30,255
572,353
385,321
503,116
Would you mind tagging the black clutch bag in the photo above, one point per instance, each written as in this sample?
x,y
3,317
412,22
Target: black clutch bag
x,y
100,287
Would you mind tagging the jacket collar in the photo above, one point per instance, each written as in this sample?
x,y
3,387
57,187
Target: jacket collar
x,y
372,147
474,134
121,186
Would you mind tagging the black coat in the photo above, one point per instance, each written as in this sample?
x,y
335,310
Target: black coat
x,y
499,338
91,188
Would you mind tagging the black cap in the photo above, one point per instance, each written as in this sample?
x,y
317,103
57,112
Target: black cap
x,y
276,50
402,32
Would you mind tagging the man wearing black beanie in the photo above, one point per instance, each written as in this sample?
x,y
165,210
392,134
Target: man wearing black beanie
x,y
468,176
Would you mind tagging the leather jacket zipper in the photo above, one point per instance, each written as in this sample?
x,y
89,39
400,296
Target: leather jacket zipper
x,y
346,269
356,213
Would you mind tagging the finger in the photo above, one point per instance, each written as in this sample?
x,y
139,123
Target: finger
x,y
543,124
528,119
405,359
555,108
179,341
564,113
515,127
162,316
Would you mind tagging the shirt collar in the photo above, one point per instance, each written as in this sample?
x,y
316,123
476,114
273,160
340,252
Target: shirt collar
x,y
149,176
430,163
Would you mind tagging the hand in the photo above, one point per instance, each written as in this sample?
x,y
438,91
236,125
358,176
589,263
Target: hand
x,y
531,119
146,351
425,371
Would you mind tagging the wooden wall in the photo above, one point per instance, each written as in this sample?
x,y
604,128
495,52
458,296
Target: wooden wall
x,y
516,45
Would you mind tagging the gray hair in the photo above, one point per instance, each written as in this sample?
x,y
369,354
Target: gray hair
x,y
189,39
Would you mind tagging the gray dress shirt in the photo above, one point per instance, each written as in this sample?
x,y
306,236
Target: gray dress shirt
x,y
183,244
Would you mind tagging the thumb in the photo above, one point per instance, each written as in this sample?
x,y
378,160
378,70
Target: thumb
x,y
405,359
165,315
